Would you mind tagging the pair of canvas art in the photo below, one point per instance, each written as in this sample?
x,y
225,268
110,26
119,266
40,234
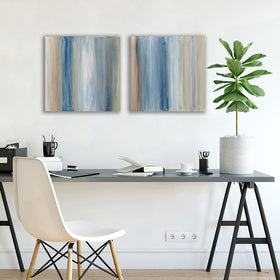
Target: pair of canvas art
x,y
82,73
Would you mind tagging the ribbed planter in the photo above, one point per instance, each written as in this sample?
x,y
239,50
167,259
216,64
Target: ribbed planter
x,y
236,155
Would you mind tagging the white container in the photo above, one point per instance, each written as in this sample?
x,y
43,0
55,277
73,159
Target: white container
x,y
52,163
236,155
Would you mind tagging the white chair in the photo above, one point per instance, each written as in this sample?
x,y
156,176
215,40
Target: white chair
x,y
38,210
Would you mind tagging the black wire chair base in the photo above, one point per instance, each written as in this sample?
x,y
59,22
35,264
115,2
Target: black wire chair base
x,y
63,253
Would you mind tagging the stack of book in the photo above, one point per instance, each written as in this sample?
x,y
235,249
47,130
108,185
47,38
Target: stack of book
x,y
52,163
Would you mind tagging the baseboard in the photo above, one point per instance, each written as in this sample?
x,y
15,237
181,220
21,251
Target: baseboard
x,y
156,258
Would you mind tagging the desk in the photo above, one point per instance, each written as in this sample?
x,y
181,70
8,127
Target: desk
x,y
245,183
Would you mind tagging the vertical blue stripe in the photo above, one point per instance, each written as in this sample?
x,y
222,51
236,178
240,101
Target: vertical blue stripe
x,y
99,55
107,100
164,100
151,73
82,94
110,49
66,49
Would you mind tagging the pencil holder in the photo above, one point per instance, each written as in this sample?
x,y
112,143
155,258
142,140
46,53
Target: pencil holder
x,y
203,165
49,148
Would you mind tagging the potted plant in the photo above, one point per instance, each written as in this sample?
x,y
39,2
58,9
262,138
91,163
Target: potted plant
x,y
236,152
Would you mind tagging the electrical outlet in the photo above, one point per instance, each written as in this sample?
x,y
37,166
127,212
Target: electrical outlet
x,y
181,236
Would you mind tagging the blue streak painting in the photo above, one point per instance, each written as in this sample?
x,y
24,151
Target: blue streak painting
x,y
167,73
82,73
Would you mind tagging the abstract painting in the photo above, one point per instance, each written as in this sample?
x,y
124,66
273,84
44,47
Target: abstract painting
x,y
82,73
167,73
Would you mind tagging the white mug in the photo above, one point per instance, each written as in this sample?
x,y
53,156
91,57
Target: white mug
x,y
186,167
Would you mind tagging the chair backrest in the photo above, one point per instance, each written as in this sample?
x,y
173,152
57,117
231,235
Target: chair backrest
x,y
36,203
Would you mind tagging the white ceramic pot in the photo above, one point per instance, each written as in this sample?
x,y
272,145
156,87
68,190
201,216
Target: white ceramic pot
x,y
236,155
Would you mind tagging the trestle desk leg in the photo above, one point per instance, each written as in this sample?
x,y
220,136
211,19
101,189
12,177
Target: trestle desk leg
x,y
251,233
11,226
219,224
267,234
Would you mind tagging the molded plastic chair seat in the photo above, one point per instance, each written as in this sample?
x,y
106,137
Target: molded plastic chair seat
x,y
87,231
39,212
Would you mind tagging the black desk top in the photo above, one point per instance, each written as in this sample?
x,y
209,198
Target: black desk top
x,y
170,176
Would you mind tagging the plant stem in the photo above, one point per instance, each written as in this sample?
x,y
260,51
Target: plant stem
x,y
236,110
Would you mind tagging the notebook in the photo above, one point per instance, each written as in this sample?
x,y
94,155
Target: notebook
x,y
72,174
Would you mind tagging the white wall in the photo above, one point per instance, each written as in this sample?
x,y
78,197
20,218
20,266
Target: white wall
x,y
95,140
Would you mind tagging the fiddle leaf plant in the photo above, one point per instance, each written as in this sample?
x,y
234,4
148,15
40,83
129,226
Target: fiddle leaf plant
x,y
236,86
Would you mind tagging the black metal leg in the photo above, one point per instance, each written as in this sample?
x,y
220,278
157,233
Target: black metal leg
x,y
251,233
219,224
10,224
267,234
235,232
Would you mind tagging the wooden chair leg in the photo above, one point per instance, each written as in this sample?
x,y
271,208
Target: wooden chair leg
x,y
115,259
69,262
33,260
79,259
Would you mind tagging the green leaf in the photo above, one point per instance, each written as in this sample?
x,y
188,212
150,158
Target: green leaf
x,y
221,82
224,104
234,96
252,89
255,74
229,88
246,85
239,87
254,57
227,47
234,65
238,50
218,99
231,107
220,87
252,64
229,97
216,66
240,96
246,48
241,71
241,107
251,104
228,75
257,91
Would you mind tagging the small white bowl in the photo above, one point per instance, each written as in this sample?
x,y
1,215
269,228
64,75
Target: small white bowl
x,y
186,173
